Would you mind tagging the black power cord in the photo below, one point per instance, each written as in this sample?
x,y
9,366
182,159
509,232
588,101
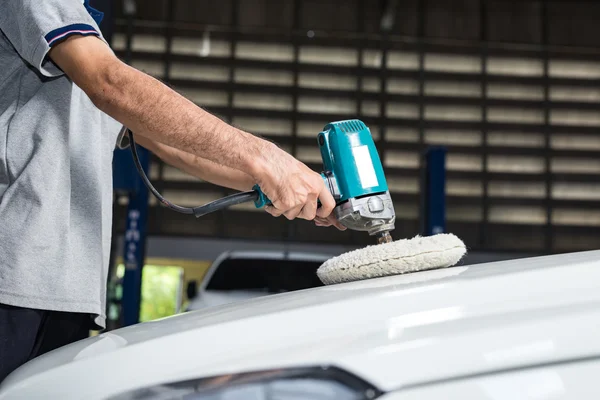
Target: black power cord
x,y
220,204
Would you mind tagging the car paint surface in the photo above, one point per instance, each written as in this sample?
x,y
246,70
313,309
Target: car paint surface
x,y
214,298
571,380
395,332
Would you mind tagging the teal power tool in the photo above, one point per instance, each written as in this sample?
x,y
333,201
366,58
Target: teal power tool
x,y
352,171
354,175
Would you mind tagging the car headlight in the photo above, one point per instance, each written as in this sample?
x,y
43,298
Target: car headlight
x,y
319,383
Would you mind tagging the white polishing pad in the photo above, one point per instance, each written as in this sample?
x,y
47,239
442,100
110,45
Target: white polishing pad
x,y
399,257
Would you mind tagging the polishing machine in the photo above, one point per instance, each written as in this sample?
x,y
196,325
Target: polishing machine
x,y
353,173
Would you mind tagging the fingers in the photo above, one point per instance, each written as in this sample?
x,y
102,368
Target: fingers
x,y
306,211
322,222
329,221
339,225
293,213
327,203
273,211
294,189
309,211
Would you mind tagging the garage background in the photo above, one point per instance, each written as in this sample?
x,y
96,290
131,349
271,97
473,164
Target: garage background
x,y
511,89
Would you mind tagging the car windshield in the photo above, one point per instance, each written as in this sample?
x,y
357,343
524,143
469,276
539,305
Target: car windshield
x,y
272,276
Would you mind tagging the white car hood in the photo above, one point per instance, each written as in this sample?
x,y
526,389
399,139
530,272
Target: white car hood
x,y
392,332
214,298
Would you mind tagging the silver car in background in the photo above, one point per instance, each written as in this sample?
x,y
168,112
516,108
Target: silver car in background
x,y
243,275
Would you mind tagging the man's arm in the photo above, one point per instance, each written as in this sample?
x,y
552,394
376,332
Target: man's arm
x,y
147,106
151,109
214,173
199,167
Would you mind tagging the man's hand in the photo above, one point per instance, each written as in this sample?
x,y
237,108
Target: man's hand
x,y
292,187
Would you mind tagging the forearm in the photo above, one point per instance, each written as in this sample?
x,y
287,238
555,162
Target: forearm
x,y
147,106
199,167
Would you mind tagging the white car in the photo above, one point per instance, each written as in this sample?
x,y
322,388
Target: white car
x,y
522,329
244,275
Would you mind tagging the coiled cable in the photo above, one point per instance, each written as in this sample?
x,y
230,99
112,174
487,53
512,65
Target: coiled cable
x,y
219,204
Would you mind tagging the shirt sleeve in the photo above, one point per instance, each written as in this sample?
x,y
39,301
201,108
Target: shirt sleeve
x,y
34,26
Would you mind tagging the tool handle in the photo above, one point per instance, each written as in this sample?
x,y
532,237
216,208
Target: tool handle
x,y
263,200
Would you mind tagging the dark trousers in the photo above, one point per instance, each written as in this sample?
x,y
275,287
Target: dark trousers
x,y
26,333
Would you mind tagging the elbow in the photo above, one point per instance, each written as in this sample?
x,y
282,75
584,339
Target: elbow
x,y
100,97
105,89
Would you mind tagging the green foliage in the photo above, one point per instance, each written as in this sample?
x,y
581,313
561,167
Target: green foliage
x,y
161,291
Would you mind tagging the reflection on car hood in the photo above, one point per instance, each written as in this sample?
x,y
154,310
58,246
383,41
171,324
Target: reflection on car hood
x,y
213,298
393,331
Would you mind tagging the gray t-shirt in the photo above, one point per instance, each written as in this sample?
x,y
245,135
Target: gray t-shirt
x,y
56,152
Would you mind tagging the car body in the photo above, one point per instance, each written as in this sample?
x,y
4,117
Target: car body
x,y
521,329
244,275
